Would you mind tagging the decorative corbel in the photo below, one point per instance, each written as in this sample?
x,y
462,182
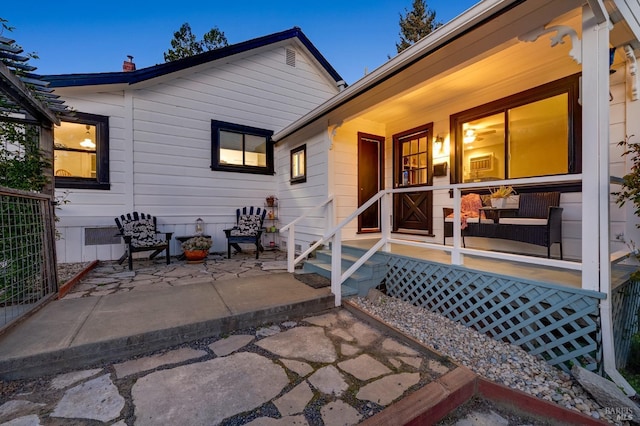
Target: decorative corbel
x,y
562,31
632,71
332,133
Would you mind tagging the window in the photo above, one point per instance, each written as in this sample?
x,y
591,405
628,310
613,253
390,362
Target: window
x,y
533,133
81,152
299,164
244,149
413,153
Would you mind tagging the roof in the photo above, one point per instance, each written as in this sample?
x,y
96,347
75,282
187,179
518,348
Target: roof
x,y
132,77
437,39
474,17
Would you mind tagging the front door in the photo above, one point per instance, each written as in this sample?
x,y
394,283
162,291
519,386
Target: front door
x,y
370,160
413,211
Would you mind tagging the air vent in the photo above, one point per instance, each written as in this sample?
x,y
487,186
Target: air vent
x,y
101,236
291,57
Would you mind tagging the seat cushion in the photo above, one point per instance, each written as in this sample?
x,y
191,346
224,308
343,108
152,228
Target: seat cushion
x,y
522,221
478,220
248,225
141,231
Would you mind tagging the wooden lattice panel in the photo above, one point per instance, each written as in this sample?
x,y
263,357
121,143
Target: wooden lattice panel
x,y
625,314
560,324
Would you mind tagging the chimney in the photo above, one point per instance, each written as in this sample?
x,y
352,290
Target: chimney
x,y
128,65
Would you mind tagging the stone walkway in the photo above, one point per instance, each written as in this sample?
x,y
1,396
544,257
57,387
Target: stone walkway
x,y
110,278
331,369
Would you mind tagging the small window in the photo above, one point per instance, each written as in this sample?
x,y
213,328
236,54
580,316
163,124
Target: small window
x,y
81,152
299,164
244,149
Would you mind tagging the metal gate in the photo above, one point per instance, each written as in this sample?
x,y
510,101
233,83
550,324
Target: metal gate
x,y
27,253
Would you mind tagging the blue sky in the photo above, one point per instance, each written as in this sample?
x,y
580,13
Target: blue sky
x,y
95,36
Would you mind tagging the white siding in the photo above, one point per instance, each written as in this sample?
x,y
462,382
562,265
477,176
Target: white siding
x,y
297,199
160,159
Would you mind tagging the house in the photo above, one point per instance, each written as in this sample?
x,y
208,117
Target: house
x,y
535,94
531,93
181,140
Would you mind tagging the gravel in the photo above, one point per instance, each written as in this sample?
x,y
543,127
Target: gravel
x,y
499,362
66,271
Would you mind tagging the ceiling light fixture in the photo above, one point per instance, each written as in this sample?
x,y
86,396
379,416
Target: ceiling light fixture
x,y
469,136
87,142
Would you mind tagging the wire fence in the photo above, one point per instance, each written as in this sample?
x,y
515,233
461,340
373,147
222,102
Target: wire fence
x,y
27,255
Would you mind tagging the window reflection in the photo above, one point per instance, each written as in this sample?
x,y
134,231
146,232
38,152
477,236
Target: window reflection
x,y
523,141
75,150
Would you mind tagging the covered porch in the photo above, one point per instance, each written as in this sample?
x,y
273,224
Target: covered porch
x,y
534,95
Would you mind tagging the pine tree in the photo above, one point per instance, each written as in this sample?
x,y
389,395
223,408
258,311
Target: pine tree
x,y
416,24
184,43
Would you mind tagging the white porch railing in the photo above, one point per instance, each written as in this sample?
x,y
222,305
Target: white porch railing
x,y
457,252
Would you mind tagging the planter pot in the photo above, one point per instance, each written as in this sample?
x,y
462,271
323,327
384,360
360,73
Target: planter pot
x,y
498,202
196,256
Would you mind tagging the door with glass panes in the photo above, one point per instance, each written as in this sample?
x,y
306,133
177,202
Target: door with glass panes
x,y
413,211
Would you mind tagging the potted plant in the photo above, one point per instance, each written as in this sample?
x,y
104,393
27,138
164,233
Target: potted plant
x,y
271,200
499,196
196,249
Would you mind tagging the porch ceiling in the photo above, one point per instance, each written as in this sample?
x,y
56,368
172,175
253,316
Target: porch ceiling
x,y
454,77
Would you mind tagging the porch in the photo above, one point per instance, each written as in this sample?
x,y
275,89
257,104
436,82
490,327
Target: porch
x,y
544,274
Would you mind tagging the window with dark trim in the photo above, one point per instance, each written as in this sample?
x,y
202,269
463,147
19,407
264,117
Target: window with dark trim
x,y
243,149
81,152
299,164
533,133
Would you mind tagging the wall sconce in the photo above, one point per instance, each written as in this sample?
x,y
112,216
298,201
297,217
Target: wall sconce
x,y
438,145
199,226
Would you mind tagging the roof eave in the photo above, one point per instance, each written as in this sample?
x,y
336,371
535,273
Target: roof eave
x,y
438,38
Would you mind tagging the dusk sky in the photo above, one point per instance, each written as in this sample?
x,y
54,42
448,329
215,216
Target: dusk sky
x,y
88,37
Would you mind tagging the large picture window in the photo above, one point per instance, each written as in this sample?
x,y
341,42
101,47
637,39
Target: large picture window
x,y
533,133
81,152
237,148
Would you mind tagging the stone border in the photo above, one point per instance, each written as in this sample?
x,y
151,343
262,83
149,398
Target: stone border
x,y
66,287
434,401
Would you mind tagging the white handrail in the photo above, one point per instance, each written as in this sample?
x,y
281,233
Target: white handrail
x,y
298,219
356,213
385,198
292,261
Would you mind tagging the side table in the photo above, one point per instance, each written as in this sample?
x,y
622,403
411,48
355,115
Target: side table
x,y
495,213
182,238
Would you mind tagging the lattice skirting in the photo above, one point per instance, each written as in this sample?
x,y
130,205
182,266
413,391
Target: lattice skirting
x,y
560,324
625,314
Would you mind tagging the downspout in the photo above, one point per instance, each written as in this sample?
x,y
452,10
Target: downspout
x,y
609,356
605,306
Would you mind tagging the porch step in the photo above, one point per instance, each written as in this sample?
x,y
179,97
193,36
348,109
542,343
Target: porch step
x,y
368,276
371,266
